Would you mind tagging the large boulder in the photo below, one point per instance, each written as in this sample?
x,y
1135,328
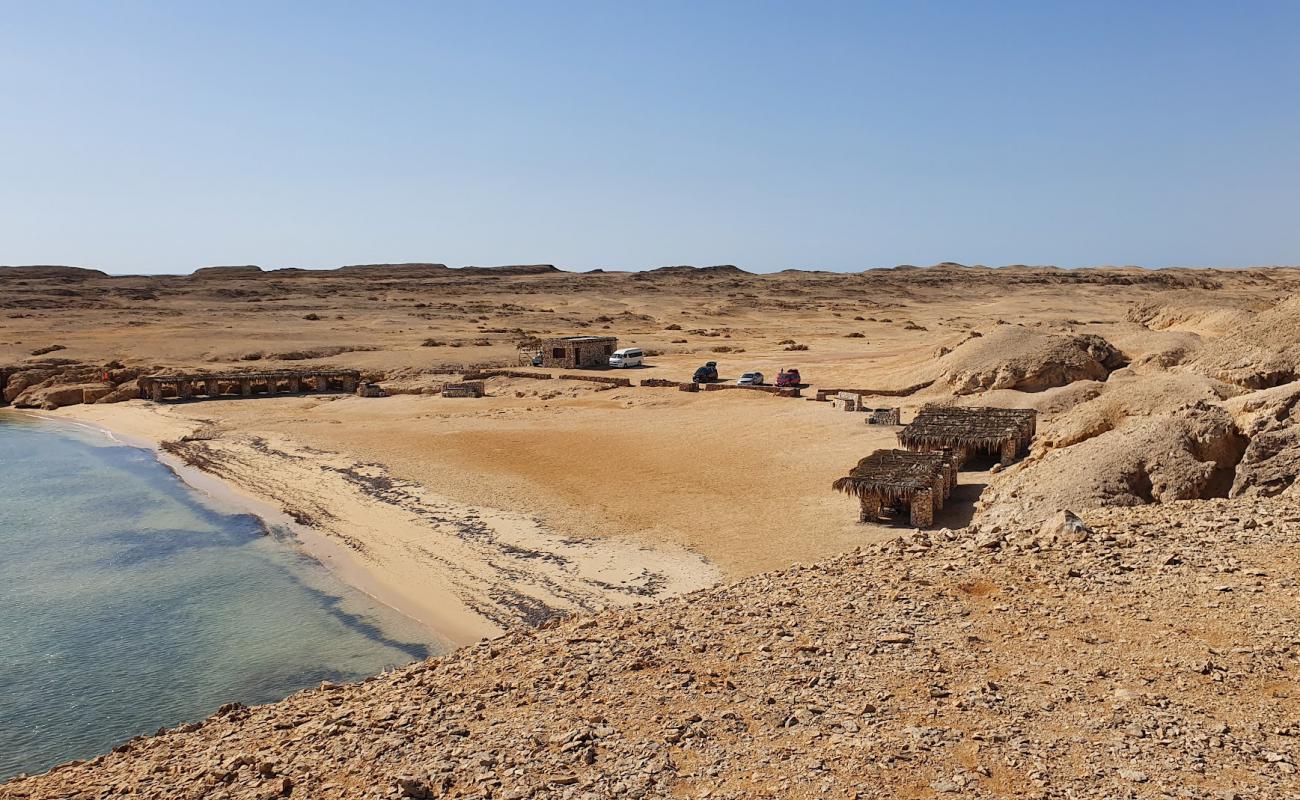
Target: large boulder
x,y
1271,465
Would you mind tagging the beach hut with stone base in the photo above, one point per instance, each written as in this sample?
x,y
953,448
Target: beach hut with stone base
x,y
577,352
901,481
1004,433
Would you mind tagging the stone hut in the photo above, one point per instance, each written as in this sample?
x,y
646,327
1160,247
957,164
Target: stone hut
x,y
464,389
847,401
577,352
1002,432
883,416
901,480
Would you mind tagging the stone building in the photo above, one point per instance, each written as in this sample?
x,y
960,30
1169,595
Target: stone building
x,y
577,352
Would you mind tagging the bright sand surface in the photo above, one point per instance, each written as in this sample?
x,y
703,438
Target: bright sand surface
x,y
472,516
464,571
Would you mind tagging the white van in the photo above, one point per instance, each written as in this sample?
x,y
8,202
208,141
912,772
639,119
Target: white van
x,y
627,357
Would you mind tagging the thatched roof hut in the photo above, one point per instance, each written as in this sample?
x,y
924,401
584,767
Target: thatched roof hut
x,y
895,478
1005,432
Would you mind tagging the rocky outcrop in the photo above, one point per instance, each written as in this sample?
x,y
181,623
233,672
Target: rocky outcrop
x,y
127,390
413,270
1015,357
1259,353
687,271
509,269
1271,464
1189,453
59,395
51,385
1124,397
20,378
1143,652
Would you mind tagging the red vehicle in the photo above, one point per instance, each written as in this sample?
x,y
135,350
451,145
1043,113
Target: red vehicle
x,y
788,377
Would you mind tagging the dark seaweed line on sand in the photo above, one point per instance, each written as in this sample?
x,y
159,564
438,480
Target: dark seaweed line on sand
x,y
497,601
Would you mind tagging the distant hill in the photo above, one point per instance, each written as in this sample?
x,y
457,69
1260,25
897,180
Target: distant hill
x,y
45,271
245,271
721,269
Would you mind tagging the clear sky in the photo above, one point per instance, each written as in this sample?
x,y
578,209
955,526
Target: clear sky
x,y
164,136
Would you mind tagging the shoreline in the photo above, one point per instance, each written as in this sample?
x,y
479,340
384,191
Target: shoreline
x,y
211,489
463,573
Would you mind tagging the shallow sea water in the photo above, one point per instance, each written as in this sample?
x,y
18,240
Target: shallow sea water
x,y
128,603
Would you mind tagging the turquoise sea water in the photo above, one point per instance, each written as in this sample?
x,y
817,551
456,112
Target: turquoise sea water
x,y
127,603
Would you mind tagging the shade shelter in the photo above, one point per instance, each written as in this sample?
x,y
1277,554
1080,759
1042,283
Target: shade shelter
x,y
247,384
901,479
965,431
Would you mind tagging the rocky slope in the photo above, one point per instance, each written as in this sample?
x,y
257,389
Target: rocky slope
x,y
1153,654
1186,453
1258,349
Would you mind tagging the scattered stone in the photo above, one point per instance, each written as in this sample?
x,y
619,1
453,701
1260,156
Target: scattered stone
x,y
857,671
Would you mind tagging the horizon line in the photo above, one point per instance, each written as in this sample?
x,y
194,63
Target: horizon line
x,y
548,268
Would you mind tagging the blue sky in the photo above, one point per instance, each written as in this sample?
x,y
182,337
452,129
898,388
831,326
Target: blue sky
x,y
160,137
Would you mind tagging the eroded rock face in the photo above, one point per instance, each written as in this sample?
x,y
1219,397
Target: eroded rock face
x,y
127,390
1189,453
1271,465
1123,397
19,379
1015,357
49,398
1258,354
51,385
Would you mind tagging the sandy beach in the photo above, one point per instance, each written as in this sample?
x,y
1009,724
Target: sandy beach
x,y
465,572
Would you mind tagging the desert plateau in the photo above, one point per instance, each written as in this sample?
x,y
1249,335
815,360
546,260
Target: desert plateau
x,y
641,585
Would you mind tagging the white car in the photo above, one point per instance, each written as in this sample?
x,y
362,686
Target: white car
x,y
750,379
627,357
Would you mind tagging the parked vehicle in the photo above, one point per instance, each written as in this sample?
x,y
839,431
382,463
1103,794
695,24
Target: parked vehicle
x,y
707,373
788,377
750,379
627,357
537,360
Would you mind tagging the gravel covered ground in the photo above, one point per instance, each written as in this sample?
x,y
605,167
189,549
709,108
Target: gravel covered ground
x,y
1153,654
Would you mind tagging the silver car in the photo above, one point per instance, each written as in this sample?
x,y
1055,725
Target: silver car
x,y
750,379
